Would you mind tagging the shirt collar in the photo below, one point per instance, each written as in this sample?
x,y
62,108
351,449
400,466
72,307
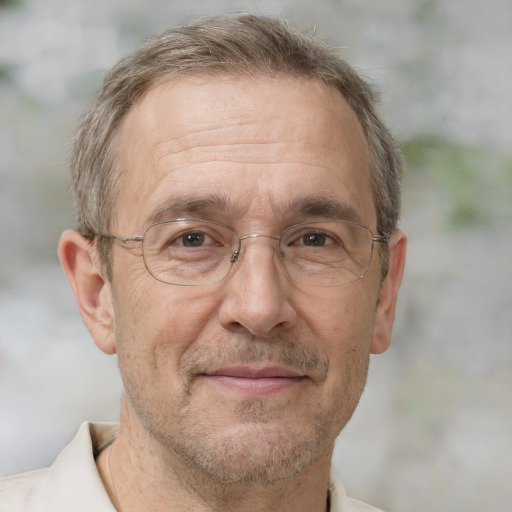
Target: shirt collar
x,y
75,475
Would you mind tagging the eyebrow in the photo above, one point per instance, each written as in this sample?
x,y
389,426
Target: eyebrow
x,y
186,205
307,206
325,207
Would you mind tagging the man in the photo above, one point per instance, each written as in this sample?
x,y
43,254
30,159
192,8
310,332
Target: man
x,y
237,200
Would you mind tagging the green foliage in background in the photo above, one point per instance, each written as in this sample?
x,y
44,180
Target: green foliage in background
x,y
475,183
7,73
10,4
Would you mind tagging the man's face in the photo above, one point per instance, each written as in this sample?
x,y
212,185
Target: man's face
x,y
251,378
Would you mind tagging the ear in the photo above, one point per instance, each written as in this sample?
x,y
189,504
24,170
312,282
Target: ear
x,y
79,258
385,314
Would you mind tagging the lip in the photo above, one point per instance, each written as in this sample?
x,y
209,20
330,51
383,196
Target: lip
x,y
268,380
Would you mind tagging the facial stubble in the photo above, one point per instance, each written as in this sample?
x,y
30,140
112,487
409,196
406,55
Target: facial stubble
x,y
261,446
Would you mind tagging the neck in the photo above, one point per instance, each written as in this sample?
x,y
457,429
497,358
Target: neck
x,y
140,475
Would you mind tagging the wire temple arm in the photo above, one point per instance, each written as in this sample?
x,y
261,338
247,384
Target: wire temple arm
x,y
123,240
384,239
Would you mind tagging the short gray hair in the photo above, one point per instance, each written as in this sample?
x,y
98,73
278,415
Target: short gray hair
x,y
237,45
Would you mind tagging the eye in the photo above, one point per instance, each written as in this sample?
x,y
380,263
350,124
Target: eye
x,y
316,239
195,239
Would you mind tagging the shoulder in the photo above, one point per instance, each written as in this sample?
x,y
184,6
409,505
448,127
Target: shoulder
x,y
71,483
18,491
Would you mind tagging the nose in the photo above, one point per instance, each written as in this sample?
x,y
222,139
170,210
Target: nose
x,y
257,293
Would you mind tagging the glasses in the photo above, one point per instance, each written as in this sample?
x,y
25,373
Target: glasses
x,y
189,252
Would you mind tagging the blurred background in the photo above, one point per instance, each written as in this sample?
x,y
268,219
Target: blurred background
x,y
434,428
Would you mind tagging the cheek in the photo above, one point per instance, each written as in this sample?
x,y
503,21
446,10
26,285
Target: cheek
x,y
342,317
158,322
343,325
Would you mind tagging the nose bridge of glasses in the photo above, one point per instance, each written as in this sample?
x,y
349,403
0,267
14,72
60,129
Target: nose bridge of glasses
x,y
236,253
257,235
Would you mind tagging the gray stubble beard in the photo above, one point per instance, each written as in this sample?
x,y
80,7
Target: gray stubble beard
x,y
229,460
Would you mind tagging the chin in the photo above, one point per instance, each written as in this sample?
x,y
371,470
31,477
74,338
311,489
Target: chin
x,y
252,452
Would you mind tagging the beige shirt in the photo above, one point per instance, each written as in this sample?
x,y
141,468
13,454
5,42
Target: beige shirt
x,y
72,483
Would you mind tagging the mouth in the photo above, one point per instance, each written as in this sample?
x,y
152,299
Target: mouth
x,y
255,381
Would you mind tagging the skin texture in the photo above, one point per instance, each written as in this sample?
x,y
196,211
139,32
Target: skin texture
x,y
234,392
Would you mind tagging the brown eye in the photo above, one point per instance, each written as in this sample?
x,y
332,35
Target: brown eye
x,y
314,239
192,239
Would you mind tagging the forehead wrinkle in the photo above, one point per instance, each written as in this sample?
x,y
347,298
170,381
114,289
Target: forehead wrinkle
x,y
222,134
253,149
201,132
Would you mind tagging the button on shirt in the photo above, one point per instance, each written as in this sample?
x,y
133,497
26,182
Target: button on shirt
x,y
72,483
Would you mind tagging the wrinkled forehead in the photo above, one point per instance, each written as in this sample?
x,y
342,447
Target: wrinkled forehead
x,y
245,133
306,104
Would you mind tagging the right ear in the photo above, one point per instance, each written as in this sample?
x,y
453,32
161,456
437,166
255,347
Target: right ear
x,y
79,258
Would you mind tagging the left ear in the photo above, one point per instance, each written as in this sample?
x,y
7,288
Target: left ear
x,y
385,314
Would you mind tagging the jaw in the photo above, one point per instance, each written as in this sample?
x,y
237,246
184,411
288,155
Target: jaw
x,y
235,477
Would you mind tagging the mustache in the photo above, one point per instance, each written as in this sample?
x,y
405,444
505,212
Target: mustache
x,y
275,350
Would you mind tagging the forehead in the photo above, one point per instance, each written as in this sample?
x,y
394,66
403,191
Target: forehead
x,y
253,144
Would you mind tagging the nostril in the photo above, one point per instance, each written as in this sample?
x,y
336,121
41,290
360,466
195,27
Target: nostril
x,y
236,327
